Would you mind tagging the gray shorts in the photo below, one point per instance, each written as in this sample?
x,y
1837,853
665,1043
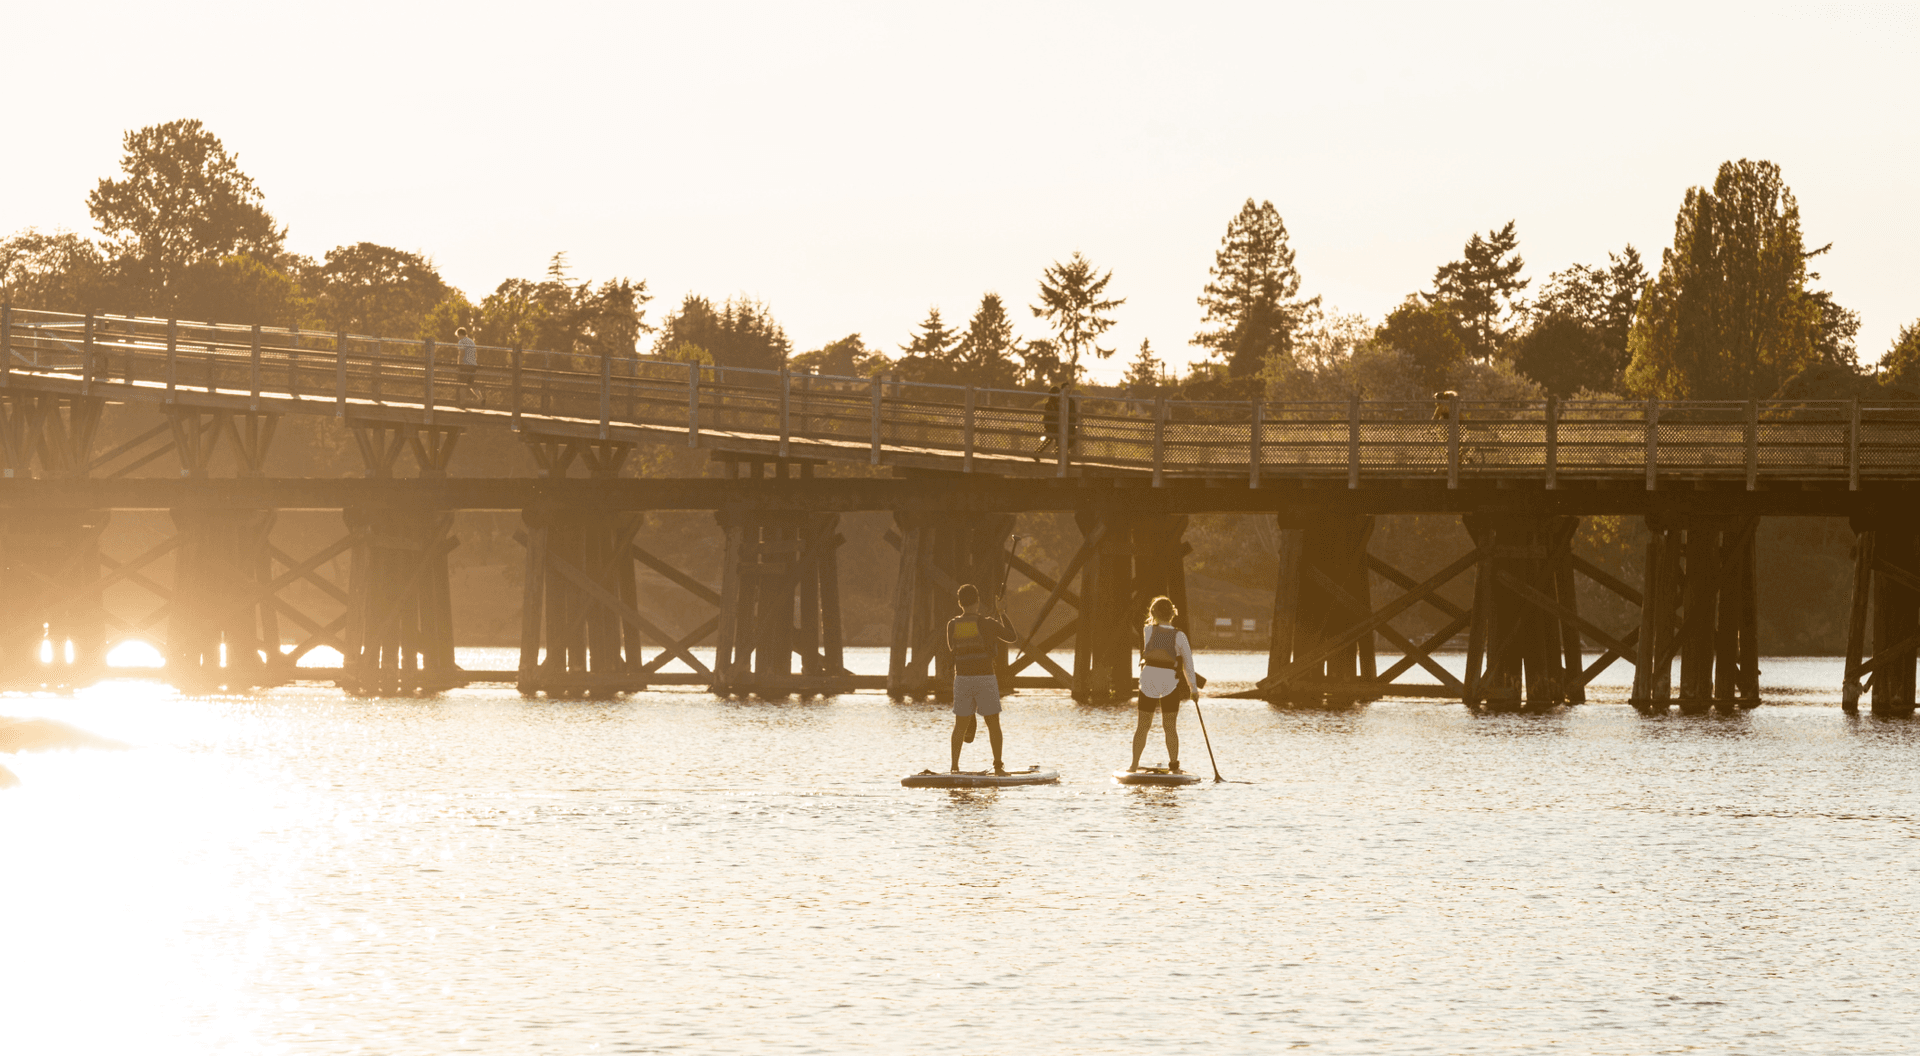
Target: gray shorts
x,y
976,695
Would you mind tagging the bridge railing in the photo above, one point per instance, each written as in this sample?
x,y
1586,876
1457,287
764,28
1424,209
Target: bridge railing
x,y
854,417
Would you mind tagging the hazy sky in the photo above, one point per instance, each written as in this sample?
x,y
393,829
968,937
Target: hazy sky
x,y
854,164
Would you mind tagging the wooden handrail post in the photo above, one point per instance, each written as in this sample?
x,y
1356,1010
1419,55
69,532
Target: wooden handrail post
x,y
6,344
1553,442
514,386
1255,452
966,459
1753,444
293,359
1653,443
874,458
86,357
340,374
1853,448
1453,441
426,390
693,403
786,394
173,357
373,370
253,374
1066,417
606,395
1353,440
1159,439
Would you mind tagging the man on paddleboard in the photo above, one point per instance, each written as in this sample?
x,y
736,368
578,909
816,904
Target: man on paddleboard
x,y
972,638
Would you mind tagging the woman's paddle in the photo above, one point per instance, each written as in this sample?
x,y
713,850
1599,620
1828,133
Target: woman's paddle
x,y
1217,779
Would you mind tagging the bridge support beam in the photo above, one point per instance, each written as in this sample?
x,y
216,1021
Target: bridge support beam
x,y
580,629
1698,606
938,552
1131,559
399,622
780,599
1322,578
1883,629
50,574
222,597
1523,649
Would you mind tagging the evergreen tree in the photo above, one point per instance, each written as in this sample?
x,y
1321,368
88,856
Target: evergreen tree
x,y
929,355
1073,301
1729,316
182,201
556,314
1901,365
1482,290
987,348
1253,296
740,333
1143,373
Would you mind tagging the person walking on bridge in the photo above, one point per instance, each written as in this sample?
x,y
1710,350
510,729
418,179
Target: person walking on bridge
x,y
469,366
972,638
1165,653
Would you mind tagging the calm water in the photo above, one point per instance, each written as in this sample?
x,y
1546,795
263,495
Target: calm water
x,y
298,872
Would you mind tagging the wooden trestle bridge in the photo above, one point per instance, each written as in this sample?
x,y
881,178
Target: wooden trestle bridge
x,y
953,465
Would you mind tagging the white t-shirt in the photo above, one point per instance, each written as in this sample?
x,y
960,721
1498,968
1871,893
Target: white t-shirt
x,y
469,352
1157,682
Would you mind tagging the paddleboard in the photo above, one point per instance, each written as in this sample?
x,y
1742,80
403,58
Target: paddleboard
x,y
1154,775
1032,775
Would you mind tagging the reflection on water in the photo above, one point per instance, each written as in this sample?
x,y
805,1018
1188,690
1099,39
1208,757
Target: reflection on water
x,y
297,872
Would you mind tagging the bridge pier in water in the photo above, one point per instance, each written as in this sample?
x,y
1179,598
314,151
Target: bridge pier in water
x,y
1128,560
1699,607
1883,626
779,599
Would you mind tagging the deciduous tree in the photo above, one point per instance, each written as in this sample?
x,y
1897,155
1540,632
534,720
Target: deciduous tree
x,y
181,201
1576,336
373,289
1252,299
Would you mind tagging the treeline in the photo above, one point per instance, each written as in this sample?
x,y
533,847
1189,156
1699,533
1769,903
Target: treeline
x,y
1732,312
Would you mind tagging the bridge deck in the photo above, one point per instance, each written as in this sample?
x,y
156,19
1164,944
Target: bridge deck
x,y
879,421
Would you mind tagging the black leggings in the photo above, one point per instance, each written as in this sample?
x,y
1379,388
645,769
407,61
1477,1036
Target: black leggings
x,y
1169,705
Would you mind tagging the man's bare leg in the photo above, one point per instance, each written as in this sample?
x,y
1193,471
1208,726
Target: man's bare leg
x,y
993,738
962,733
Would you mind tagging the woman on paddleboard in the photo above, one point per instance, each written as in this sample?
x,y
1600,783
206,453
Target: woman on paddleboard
x,y
972,638
1164,653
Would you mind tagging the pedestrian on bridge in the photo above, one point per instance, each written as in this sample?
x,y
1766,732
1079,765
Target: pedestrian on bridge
x,y
1165,654
972,638
469,365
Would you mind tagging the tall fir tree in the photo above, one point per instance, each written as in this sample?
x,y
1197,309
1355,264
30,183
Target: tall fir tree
x,y
928,356
987,350
1074,303
1143,372
1253,298
1482,290
1729,315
